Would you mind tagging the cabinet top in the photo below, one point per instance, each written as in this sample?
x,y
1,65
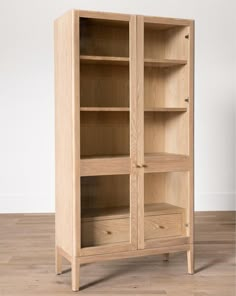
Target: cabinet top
x,y
127,17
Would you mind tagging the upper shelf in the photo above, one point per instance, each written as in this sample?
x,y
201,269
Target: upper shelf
x,y
162,63
165,109
126,109
105,60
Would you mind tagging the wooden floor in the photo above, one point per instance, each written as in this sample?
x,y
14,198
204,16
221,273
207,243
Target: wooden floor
x,y
27,263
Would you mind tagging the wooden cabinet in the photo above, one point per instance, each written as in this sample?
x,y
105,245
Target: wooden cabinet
x,y
124,137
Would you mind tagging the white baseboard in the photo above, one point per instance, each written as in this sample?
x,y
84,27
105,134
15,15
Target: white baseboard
x,y
25,204
204,201
215,201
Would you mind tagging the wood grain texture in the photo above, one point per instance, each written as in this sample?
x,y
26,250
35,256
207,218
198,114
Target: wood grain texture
x,y
163,226
27,262
126,84
95,233
105,166
103,60
64,132
140,128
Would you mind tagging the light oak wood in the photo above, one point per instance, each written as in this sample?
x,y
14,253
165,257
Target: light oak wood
x,y
104,60
121,212
58,261
163,63
27,262
63,131
162,226
104,109
95,166
124,137
165,109
95,233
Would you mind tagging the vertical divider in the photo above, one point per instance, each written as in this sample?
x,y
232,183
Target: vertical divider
x,y
140,128
133,131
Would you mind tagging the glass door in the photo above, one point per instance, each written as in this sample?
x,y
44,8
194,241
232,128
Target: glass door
x,y
108,207
164,113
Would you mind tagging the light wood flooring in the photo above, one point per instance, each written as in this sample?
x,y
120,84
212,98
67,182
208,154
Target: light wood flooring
x,y
27,263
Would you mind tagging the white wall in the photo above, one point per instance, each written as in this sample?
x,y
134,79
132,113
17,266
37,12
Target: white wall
x,y
27,97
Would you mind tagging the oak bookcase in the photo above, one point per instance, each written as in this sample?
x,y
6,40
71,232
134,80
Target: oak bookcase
x,y
124,137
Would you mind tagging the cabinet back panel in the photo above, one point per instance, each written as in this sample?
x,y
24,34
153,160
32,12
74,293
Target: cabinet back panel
x,y
166,132
165,87
105,191
104,133
104,86
168,187
100,37
166,44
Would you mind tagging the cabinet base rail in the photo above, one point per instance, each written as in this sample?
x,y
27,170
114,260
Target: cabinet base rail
x,y
77,261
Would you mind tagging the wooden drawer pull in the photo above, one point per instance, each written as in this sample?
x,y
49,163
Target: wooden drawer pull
x,y
108,232
159,226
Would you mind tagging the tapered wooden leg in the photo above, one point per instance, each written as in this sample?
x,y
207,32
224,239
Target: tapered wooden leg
x,y
58,260
190,259
75,273
166,257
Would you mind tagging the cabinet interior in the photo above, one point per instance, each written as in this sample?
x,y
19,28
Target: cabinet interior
x,y
105,210
168,193
163,41
166,132
104,134
102,37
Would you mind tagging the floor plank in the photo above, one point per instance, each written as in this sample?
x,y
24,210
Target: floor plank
x,y
27,263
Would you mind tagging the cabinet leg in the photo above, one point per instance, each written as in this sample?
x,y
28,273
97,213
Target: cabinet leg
x,y
75,274
190,259
166,257
58,261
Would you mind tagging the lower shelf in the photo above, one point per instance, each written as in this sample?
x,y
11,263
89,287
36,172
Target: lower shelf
x,y
123,212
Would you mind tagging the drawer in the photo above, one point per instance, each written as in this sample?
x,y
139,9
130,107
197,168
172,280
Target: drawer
x,y
163,226
102,232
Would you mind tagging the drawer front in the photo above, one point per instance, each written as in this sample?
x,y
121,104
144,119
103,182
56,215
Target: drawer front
x,y
163,226
98,233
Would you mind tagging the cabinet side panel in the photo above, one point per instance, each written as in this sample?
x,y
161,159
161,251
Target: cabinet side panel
x,y
63,131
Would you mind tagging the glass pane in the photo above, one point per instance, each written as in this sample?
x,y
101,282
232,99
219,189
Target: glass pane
x,y
166,69
166,199
105,210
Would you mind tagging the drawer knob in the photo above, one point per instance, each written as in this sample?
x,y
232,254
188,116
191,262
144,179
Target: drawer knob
x,y
160,226
108,232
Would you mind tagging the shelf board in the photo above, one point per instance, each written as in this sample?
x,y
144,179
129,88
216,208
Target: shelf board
x,y
105,165
123,212
166,109
106,60
104,109
155,156
164,156
162,63
105,156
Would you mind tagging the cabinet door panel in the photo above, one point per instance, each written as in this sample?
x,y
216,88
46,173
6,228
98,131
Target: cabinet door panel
x,y
108,211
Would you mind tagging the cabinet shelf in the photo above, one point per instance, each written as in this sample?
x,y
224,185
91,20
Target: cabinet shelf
x,y
164,156
162,63
123,212
104,60
157,156
166,109
104,109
